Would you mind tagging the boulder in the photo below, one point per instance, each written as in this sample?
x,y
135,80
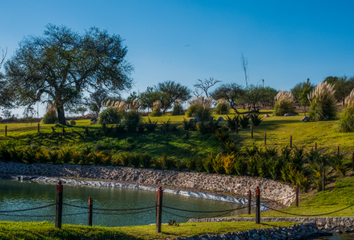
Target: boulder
x,y
197,119
72,122
93,121
325,118
305,119
289,114
266,115
221,119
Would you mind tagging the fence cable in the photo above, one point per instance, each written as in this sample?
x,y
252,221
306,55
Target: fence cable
x,y
124,213
107,209
28,209
185,210
310,215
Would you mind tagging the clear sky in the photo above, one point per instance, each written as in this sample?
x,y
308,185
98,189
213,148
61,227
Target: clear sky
x,y
285,42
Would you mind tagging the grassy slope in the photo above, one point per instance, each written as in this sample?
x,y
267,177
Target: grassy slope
x,y
45,230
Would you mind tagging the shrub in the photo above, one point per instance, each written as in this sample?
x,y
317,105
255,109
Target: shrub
x,y
285,153
177,108
131,120
251,151
166,124
252,166
124,158
189,125
338,163
141,128
244,121
120,128
50,117
156,110
191,163
208,163
167,163
346,120
221,107
302,181
110,115
218,164
276,166
296,160
145,160
284,103
202,127
240,165
323,102
256,119
229,163
151,125
231,122
200,107
263,165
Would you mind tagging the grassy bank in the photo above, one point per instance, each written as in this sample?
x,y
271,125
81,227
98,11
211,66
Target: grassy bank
x,y
46,230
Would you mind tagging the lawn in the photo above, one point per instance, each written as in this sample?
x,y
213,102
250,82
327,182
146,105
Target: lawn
x,y
46,230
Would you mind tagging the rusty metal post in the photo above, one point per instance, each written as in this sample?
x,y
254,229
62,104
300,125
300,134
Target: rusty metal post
x,y
5,130
297,195
38,127
249,201
265,138
315,146
59,206
251,131
258,206
323,181
291,141
90,208
338,150
159,210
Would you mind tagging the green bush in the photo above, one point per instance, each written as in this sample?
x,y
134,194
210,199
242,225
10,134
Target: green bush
x,y
131,120
151,125
244,121
323,102
119,128
203,111
276,166
110,115
177,110
167,163
189,125
263,165
256,119
338,163
221,107
166,124
50,117
156,112
208,163
145,160
252,165
218,164
231,122
240,165
283,106
346,120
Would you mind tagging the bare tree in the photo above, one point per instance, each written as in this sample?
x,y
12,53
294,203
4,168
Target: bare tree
x,y
4,53
196,93
205,84
244,63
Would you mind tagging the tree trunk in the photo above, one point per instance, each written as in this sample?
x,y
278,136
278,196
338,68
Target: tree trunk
x,y
61,115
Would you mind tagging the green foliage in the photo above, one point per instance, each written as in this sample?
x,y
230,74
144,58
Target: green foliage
x,y
283,106
167,163
323,103
191,163
240,165
110,115
296,160
244,121
151,125
218,164
275,167
208,163
252,165
50,117
263,165
177,110
256,119
145,160
251,151
119,128
231,122
189,125
221,107
346,120
156,112
338,163
203,127
166,124
131,120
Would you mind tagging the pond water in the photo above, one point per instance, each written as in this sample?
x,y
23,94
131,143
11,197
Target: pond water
x,y
26,194
338,237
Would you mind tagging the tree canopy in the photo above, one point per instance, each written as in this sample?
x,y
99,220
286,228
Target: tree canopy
x,y
59,66
342,85
231,92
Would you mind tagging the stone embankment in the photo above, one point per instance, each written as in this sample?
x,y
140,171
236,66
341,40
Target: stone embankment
x,y
301,231
150,177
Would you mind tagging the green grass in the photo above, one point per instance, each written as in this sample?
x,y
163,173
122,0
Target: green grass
x,y
338,196
45,230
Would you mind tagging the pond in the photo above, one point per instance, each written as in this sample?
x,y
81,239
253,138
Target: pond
x,y
26,194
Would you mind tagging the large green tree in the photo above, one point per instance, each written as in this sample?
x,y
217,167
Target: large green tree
x,y
300,92
342,85
148,97
170,91
59,66
231,92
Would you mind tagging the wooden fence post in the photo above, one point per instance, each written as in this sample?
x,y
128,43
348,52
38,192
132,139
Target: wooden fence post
x,y
291,141
38,127
236,127
5,130
315,146
249,201
338,150
297,195
159,210
265,138
90,207
323,180
258,206
251,131
59,206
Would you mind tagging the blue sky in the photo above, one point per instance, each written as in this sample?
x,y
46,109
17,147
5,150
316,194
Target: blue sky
x,y
285,42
